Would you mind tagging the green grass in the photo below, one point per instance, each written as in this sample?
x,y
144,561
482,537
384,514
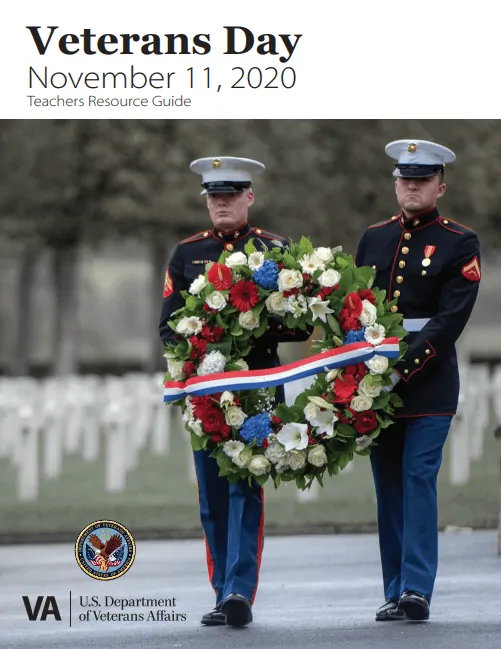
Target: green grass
x,y
159,499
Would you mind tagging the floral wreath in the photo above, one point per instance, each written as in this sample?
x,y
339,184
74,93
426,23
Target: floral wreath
x,y
350,401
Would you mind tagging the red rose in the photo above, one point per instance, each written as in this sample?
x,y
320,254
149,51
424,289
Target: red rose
x,y
216,437
244,295
217,333
265,443
327,290
225,431
189,368
367,294
212,420
349,322
365,422
361,371
345,389
220,276
353,304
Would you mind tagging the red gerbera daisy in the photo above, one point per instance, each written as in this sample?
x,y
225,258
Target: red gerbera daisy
x,y
244,295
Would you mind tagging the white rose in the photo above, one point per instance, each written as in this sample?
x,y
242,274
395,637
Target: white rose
x,y
317,455
197,285
310,411
256,260
331,375
233,447
189,326
227,398
296,459
213,363
369,390
274,452
288,279
368,315
235,417
175,369
310,263
324,254
276,303
216,301
375,334
377,364
248,320
259,465
361,403
329,278
196,427
242,364
236,259
243,459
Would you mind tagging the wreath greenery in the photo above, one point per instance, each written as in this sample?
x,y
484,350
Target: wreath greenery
x,y
339,416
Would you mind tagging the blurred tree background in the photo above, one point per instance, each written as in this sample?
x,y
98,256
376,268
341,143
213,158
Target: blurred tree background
x,y
74,190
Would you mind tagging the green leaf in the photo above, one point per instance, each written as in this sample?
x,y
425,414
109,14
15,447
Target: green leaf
x,y
199,443
364,275
236,329
290,262
192,303
306,246
249,247
300,482
345,430
223,347
334,325
381,401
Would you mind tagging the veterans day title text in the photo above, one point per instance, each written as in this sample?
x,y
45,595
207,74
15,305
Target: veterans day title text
x,y
234,40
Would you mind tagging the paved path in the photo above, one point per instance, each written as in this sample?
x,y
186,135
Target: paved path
x,y
318,591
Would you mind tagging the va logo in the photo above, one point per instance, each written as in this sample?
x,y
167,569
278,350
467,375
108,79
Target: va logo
x,y
49,608
105,550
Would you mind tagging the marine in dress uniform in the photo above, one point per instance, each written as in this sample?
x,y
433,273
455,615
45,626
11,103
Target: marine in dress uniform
x,y
431,264
232,515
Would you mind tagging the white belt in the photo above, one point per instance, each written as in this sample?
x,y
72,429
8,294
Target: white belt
x,y
414,324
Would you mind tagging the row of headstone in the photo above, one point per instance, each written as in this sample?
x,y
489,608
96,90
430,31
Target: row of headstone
x,y
116,418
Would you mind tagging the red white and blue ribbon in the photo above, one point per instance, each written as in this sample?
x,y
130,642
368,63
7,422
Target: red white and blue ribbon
x,y
343,356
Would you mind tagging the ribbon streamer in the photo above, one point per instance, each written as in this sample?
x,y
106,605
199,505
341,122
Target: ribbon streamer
x,y
252,379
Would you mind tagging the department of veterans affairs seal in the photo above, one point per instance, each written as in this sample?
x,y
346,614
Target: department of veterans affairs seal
x,y
105,550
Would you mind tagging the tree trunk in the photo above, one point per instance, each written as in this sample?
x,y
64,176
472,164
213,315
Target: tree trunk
x,y
66,334
158,256
20,364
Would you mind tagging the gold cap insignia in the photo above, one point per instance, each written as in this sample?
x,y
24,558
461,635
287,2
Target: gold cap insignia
x,y
216,163
412,148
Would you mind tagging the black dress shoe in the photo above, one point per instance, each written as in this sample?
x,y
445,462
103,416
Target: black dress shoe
x,y
214,617
237,609
415,606
389,611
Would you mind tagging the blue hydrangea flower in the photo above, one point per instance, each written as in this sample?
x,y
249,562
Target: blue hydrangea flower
x,y
256,428
355,336
267,275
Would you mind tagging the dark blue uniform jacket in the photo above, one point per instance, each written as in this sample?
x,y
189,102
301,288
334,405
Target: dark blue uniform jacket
x,y
443,289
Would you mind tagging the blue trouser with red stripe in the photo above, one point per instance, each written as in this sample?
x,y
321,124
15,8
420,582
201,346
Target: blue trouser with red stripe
x,y
405,465
232,517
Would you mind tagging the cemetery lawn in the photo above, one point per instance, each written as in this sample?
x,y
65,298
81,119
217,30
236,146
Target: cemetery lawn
x,y
160,500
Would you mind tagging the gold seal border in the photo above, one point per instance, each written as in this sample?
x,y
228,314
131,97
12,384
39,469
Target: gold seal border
x,y
124,530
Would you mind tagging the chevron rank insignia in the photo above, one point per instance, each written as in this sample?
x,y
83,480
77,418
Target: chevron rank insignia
x,y
471,270
168,286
